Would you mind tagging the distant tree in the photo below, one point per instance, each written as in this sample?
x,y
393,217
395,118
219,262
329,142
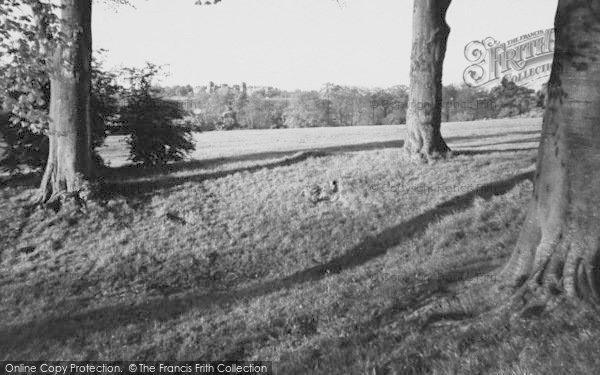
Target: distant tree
x,y
449,97
396,113
383,102
464,103
186,90
261,112
386,101
511,99
305,109
220,109
541,96
373,104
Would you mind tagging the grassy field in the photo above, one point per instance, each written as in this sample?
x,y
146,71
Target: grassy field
x,y
220,257
260,144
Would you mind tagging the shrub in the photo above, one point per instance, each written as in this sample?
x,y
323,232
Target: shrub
x,y
155,137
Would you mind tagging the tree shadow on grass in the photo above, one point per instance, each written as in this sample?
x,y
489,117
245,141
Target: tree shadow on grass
x,y
140,187
122,180
82,324
510,142
495,135
136,171
470,152
25,180
329,150
134,181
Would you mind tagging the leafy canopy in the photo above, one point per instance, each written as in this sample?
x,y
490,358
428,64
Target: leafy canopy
x,y
29,33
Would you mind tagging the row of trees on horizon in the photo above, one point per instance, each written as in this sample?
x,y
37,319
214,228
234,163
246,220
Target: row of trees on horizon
x,y
229,107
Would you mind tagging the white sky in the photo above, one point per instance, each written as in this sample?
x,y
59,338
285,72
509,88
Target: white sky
x,y
298,43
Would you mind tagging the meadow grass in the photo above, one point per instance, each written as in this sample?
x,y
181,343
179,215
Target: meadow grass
x,y
220,257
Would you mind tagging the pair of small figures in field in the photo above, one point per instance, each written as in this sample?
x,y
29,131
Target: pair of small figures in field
x,y
316,193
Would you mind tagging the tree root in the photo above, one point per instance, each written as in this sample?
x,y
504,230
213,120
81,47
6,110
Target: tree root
x,y
427,158
54,196
468,302
484,304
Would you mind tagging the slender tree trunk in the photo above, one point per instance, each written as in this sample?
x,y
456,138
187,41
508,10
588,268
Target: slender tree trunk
x,y
374,121
430,35
558,252
69,161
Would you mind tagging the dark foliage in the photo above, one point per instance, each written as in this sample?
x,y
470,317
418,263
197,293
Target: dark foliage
x,y
23,145
155,135
20,146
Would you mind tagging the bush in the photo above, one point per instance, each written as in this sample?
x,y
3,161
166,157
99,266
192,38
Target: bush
x,y
155,137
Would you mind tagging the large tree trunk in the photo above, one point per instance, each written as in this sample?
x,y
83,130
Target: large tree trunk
x,y
430,34
69,161
558,252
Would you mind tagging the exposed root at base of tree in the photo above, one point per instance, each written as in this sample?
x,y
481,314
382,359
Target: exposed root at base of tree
x,y
65,199
427,158
54,195
479,303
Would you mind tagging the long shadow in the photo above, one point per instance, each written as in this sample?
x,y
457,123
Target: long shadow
x,y
110,317
126,174
509,142
26,180
492,151
330,150
129,171
375,246
150,180
501,135
141,187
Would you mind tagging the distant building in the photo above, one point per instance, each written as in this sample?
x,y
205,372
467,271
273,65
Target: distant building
x,y
239,89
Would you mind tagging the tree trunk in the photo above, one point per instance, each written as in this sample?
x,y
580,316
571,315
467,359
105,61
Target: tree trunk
x,y
69,161
430,34
558,251
373,115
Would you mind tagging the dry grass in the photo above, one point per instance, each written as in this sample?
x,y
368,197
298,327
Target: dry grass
x,y
221,258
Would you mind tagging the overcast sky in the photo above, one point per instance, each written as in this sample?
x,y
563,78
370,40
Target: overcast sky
x,y
298,43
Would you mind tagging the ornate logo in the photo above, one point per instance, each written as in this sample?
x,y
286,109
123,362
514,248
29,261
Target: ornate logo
x,y
526,60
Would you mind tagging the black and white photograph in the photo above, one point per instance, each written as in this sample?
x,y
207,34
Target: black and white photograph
x,y
369,187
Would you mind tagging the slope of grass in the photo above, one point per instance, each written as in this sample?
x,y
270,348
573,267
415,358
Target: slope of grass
x,y
223,258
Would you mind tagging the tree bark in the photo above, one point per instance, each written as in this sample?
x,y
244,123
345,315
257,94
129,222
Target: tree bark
x,y
430,35
558,251
69,161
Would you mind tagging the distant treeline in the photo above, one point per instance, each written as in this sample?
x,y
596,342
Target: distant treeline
x,y
234,107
